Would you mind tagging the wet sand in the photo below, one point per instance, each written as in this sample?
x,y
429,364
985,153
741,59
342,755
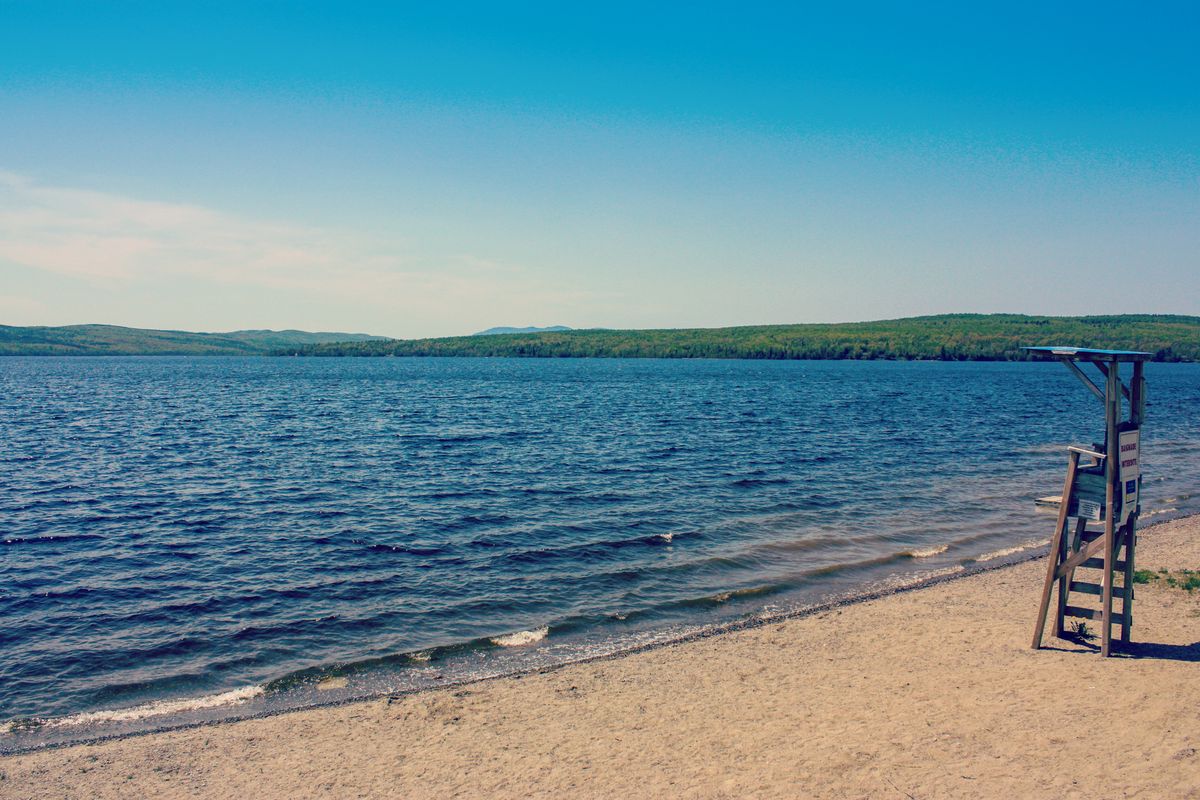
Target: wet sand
x,y
927,693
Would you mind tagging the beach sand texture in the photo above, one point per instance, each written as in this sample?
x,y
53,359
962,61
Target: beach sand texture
x,y
927,693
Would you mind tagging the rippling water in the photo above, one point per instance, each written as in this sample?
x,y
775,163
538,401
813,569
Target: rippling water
x,y
207,536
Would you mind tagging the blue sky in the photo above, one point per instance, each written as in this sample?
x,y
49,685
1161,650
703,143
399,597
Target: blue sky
x,y
432,171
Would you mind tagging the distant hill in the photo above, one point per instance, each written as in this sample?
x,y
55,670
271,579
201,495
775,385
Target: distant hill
x,y
499,331
111,340
947,337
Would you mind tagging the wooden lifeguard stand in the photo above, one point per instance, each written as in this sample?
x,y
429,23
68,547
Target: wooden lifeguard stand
x,y
1101,498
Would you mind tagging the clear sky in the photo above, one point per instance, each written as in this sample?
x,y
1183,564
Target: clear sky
x,y
450,167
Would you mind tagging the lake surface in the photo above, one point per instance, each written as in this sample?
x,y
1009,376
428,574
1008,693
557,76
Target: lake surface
x,y
188,538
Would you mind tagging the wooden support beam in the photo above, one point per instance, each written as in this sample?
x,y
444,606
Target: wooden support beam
x,y
1060,557
1081,559
1112,413
1086,380
1055,544
1137,412
1137,402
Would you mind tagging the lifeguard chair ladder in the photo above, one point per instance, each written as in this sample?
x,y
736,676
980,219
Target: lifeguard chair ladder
x,y
1103,491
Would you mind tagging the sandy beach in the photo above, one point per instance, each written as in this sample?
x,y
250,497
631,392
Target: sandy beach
x,y
926,693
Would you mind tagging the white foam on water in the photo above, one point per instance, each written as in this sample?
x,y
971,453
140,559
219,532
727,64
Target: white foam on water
x,y
666,537
521,637
1160,511
1008,551
421,655
904,581
927,552
134,713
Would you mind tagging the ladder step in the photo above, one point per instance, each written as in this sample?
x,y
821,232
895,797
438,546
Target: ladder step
x,y
1093,614
1087,537
1097,589
1098,563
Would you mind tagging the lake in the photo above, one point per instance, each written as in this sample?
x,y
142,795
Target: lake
x,y
183,539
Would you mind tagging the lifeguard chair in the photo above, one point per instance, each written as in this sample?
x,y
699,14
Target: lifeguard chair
x,y
1098,510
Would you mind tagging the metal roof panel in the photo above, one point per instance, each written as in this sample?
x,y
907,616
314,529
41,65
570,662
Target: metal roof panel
x,y
1092,353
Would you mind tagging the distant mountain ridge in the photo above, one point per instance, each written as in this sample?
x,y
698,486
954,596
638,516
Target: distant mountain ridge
x,y
944,337
504,330
105,340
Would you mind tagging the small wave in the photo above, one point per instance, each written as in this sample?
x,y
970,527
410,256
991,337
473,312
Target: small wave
x,y
51,539
1043,448
1158,511
667,538
1008,551
134,713
927,552
399,548
905,581
749,483
733,594
594,549
521,637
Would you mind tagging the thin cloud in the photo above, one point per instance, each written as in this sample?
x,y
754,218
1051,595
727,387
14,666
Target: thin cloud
x,y
114,240
105,236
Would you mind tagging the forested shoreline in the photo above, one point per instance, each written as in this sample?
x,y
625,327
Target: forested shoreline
x,y
949,337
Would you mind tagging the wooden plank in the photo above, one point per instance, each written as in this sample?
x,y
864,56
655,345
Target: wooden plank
x,y
1085,613
1055,545
1098,563
1098,590
1095,614
1084,378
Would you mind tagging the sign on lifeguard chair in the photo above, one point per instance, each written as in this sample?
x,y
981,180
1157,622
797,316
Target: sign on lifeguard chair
x,y
1098,509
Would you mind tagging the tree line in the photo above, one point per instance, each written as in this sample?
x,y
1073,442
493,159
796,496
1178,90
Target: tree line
x,y
948,337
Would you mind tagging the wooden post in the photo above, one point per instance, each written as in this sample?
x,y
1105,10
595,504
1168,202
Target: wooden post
x,y
1112,412
1055,549
1137,410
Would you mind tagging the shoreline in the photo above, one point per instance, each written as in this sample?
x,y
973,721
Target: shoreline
x,y
873,591
328,726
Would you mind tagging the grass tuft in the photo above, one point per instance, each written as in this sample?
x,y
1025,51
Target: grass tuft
x,y
1186,579
1082,631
